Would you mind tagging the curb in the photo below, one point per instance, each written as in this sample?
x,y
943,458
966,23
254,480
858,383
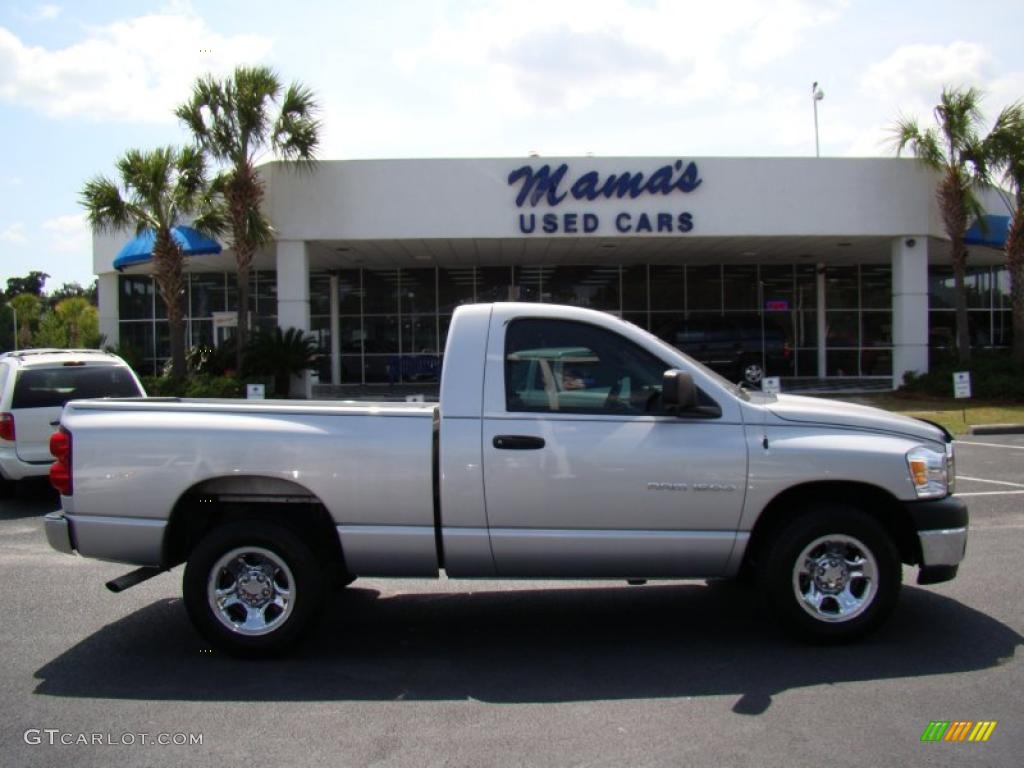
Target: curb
x,y
997,429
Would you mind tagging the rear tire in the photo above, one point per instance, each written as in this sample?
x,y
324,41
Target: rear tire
x,y
832,574
253,588
7,488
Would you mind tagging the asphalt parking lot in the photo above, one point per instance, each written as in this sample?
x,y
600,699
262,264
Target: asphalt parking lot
x,y
411,673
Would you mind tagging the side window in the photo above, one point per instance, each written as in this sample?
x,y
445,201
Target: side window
x,y
569,367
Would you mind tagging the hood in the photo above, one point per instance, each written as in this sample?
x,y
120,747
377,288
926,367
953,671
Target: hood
x,y
813,410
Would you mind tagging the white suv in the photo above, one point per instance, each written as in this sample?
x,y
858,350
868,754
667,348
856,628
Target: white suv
x,y
34,385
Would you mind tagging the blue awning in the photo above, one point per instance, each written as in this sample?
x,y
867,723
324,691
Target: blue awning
x,y
993,235
140,247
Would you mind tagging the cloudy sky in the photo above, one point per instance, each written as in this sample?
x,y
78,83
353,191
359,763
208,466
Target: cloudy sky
x,y
82,81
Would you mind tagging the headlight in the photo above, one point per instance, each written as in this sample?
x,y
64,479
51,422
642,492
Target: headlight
x,y
929,472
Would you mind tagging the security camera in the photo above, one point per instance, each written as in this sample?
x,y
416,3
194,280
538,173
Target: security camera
x,y
911,242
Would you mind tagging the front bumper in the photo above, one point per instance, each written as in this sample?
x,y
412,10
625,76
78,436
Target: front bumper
x,y
58,532
941,526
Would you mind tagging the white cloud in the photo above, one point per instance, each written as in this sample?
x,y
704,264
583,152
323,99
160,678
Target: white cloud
x,y
915,75
69,234
47,12
138,69
584,51
15,233
908,83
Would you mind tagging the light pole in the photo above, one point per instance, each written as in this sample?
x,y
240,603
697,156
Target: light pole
x,y
816,95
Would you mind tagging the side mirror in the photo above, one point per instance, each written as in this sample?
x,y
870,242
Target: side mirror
x,y
678,392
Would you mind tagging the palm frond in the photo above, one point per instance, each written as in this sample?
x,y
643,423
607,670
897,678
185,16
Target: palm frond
x,y
106,210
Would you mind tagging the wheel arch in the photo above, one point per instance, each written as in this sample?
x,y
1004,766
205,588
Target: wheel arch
x,y
219,500
800,500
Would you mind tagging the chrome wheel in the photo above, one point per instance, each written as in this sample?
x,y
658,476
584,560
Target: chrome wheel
x,y
251,591
835,578
753,373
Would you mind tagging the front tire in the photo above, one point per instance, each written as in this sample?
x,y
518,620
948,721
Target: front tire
x,y
832,574
253,588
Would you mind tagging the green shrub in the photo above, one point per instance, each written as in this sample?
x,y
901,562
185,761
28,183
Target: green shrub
x,y
994,376
193,386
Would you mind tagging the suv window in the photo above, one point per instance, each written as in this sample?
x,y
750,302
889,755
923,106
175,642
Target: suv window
x,y
571,367
52,387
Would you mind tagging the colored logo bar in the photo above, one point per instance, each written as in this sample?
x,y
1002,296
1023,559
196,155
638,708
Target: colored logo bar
x,y
958,730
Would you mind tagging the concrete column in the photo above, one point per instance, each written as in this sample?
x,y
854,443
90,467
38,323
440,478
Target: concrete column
x,y
909,306
821,323
292,284
293,296
109,308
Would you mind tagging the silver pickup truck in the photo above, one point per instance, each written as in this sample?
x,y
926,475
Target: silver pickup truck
x,y
566,444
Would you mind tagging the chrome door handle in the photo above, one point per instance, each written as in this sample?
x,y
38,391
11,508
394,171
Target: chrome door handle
x,y
518,442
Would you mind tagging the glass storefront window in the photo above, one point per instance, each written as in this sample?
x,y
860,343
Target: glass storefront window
x,y
876,286
455,287
668,288
941,288
841,290
842,363
136,299
978,285
202,333
207,294
842,330
349,292
876,362
381,334
636,318
806,277
634,289
380,291
1001,285
494,284
776,287
418,292
703,288
419,334
138,337
319,294
528,282
740,286
594,287
876,329
1002,329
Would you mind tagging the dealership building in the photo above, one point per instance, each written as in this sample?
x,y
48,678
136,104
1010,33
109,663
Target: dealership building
x,y
818,271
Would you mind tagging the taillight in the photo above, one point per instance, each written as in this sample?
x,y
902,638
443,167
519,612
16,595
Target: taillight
x,y
7,426
60,470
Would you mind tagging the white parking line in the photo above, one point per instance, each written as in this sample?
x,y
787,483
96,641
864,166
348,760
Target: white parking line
x,y
992,445
993,493
994,482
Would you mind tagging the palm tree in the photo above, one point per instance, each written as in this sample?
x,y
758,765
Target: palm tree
x,y
1006,154
954,149
159,189
281,354
232,122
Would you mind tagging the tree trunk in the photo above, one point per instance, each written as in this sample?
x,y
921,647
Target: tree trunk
x,y
1015,265
242,331
952,205
170,279
244,195
963,331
